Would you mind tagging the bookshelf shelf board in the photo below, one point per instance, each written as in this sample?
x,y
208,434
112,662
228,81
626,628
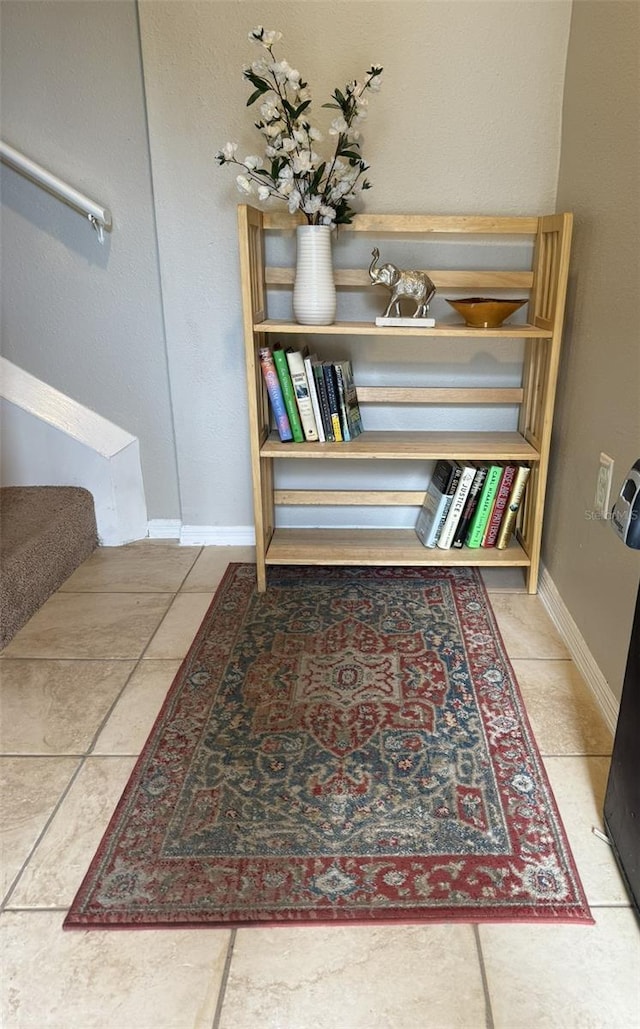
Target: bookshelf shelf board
x,y
396,445
379,547
443,329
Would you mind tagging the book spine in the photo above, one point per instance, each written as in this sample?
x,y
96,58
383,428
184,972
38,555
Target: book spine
x,y
433,504
500,503
315,401
456,472
354,418
321,388
301,390
469,507
457,505
332,397
274,391
282,368
508,523
485,503
342,402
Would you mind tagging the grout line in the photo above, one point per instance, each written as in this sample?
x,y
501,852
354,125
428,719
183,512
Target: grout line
x,y
44,830
223,983
488,1016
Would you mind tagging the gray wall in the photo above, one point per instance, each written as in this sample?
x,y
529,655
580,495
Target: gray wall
x,y
84,318
599,391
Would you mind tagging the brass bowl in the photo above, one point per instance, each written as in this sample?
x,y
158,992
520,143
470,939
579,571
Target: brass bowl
x,y
485,312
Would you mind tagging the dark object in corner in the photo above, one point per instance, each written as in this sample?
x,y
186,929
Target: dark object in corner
x,y
622,799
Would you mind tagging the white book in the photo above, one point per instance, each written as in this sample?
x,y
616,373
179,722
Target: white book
x,y
434,504
295,361
313,393
445,539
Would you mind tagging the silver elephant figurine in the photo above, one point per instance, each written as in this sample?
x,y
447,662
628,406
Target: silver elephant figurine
x,y
411,285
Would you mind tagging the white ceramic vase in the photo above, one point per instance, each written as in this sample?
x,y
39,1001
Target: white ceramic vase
x,y
314,291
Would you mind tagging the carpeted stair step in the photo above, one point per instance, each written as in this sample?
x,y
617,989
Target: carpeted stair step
x,y
45,533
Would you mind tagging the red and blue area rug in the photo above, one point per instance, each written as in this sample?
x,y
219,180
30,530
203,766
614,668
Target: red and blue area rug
x,y
350,746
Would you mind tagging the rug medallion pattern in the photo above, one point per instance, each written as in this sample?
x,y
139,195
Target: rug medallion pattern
x,y
350,745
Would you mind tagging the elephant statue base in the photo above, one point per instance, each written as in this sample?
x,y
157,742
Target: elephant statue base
x,y
415,286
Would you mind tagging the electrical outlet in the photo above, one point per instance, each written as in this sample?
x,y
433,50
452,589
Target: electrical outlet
x,y
603,486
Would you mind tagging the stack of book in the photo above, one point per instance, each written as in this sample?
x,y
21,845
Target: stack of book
x,y
472,504
311,400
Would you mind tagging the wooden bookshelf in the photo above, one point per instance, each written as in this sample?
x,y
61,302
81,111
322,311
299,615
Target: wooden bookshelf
x,y
544,282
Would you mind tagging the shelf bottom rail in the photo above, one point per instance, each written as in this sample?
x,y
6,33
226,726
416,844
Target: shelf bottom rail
x,y
380,547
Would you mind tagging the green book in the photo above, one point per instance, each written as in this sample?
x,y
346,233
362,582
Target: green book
x,y
485,506
286,385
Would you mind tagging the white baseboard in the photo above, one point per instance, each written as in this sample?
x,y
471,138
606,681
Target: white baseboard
x,y
217,536
164,528
577,647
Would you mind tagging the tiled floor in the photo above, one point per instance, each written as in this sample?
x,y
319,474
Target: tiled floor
x,y
81,684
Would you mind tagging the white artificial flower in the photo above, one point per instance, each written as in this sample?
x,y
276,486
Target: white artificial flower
x,y
270,110
311,204
263,192
264,37
280,71
244,185
261,67
302,162
252,162
275,128
337,126
294,201
303,94
288,144
229,151
328,213
269,38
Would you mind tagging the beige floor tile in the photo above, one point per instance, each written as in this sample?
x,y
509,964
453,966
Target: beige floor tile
x,y
132,718
354,977
107,980
526,628
30,788
211,565
579,785
99,626
564,714
565,976
504,580
144,567
56,707
182,621
62,857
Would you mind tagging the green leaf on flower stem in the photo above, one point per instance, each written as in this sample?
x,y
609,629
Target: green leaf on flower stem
x,y
339,97
255,96
353,157
317,176
298,111
256,81
336,107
